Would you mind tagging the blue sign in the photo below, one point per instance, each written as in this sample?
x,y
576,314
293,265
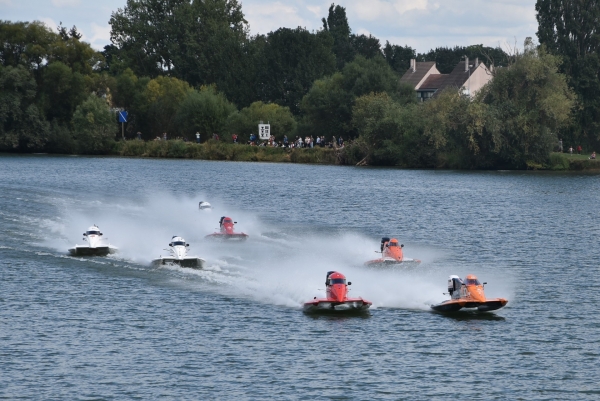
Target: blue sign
x,y
122,116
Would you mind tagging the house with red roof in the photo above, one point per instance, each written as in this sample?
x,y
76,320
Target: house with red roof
x,y
427,80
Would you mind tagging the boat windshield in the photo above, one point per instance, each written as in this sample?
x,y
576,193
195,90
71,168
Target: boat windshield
x,y
393,244
472,281
93,232
337,281
178,243
227,221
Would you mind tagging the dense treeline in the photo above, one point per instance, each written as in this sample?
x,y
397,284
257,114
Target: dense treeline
x,y
181,67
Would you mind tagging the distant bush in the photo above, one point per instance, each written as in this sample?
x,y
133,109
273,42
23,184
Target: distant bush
x,y
558,161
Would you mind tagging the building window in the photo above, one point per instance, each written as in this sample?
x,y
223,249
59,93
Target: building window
x,y
424,95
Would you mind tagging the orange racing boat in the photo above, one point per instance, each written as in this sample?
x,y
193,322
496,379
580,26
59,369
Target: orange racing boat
x,y
337,299
226,225
468,294
391,254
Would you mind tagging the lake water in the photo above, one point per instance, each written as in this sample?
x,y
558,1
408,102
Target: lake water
x,y
113,328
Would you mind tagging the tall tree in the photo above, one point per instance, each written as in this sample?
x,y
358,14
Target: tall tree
x,y
398,57
327,107
292,60
26,43
447,58
22,126
366,46
61,91
337,26
200,41
569,29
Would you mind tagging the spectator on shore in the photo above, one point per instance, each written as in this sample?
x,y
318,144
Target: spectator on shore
x,y
579,149
285,141
197,137
571,150
560,146
318,140
322,141
234,138
139,136
341,142
593,156
164,136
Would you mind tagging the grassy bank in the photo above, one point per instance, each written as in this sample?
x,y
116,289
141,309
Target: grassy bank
x,y
566,161
213,150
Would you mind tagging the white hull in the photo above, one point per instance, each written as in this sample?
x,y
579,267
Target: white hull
x,y
86,250
189,262
347,306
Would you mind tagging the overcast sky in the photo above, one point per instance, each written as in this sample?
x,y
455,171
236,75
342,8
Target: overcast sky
x,y
421,24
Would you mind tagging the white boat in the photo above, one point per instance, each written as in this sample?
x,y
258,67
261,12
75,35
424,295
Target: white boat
x,y
96,245
178,255
202,205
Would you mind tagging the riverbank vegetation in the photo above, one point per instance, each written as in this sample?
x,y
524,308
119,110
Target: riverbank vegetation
x,y
59,95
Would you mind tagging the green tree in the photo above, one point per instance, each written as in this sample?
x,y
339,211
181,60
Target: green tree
x,y
79,56
398,57
447,58
94,125
528,104
377,119
161,100
339,29
327,108
62,90
569,29
293,59
200,41
366,46
205,111
25,43
22,126
245,122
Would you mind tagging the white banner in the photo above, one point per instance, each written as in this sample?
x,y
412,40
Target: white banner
x,y
264,131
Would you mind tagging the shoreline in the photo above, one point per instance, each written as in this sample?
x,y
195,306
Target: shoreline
x,y
221,151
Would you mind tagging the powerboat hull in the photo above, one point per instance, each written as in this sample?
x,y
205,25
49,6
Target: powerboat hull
x,y
191,262
391,262
204,206
328,305
456,305
84,250
228,237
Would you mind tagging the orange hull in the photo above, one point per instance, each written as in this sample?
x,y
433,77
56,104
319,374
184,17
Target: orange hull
x,y
468,294
391,254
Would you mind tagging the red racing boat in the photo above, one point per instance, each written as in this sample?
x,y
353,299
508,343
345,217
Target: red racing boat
x,y
336,297
226,232
468,294
391,254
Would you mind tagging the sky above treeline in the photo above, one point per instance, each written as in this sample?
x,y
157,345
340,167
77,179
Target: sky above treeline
x,y
421,24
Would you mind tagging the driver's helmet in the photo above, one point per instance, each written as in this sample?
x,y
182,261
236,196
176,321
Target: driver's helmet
x,y
336,278
393,242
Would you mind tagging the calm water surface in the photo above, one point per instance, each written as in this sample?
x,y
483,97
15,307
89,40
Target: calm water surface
x,y
113,328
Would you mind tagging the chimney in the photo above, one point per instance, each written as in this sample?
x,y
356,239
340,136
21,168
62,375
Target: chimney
x,y
413,64
466,64
476,61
